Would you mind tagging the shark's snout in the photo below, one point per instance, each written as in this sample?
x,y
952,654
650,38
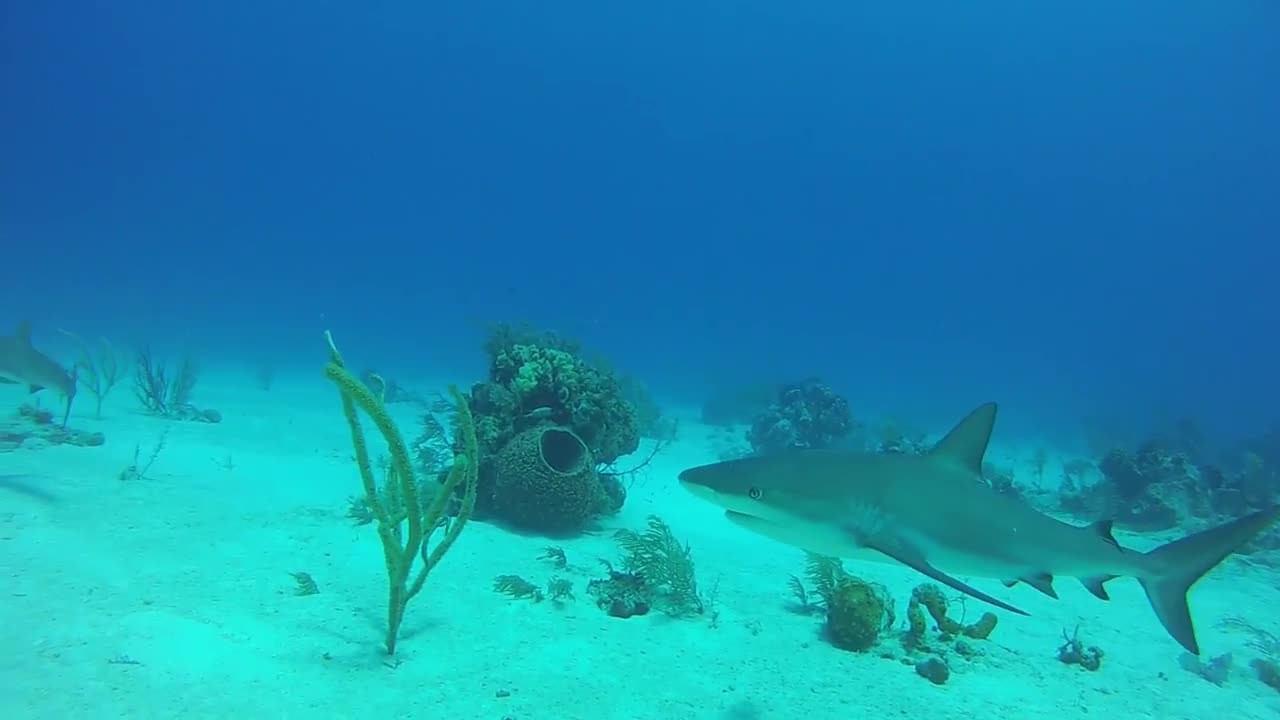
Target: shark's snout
x,y
698,489
717,485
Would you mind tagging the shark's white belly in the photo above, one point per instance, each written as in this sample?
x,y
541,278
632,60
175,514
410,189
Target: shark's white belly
x,y
835,541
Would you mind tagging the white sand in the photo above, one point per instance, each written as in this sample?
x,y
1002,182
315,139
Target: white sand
x,y
187,574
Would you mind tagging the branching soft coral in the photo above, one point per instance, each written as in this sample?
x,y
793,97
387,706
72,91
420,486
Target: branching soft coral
x,y
665,562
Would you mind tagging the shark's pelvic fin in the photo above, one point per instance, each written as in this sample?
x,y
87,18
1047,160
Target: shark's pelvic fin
x,y
1042,582
912,558
966,444
1094,585
1177,566
1102,529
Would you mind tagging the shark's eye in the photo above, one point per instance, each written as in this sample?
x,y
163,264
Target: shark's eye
x,y
754,493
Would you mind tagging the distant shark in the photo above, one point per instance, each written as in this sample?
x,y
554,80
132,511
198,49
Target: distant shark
x,y
21,363
935,513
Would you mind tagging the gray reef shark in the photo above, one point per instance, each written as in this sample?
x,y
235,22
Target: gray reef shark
x,y
21,363
936,514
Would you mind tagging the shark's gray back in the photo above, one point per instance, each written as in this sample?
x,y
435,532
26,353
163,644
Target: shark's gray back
x,y
21,362
962,511
943,503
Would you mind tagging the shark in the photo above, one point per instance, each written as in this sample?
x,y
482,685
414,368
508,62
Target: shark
x,y
935,513
21,363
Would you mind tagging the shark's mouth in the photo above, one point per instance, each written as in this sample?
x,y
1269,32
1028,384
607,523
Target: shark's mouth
x,y
746,519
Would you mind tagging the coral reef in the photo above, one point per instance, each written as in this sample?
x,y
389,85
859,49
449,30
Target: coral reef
x,y
33,427
894,439
1156,488
858,614
542,394
807,414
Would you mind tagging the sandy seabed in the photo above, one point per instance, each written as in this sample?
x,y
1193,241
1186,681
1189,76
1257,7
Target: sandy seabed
x,y
171,596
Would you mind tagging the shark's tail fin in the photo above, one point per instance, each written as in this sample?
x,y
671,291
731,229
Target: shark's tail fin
x,y
1175,567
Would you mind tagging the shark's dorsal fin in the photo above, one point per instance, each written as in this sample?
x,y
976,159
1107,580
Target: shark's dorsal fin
x,y
966,444
23,333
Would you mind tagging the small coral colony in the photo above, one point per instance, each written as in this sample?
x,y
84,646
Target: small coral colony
x,y
553,438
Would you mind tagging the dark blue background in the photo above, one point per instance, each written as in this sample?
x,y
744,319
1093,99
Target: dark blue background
x,y
931,204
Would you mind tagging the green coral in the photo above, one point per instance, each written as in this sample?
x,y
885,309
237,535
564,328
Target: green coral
x,y
553,385
857,611
404,525
855,615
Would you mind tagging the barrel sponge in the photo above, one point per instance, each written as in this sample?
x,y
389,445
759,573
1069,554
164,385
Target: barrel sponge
x,y
545,480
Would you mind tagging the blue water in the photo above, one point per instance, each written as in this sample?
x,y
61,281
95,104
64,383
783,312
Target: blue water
x,y
1072,210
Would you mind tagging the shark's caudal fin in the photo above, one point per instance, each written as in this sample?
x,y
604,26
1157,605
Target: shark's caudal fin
x,y
1180,564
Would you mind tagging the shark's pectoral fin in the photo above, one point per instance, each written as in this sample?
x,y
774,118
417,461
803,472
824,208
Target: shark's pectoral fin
x,y
912,558
1094,585
35,388
7,381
